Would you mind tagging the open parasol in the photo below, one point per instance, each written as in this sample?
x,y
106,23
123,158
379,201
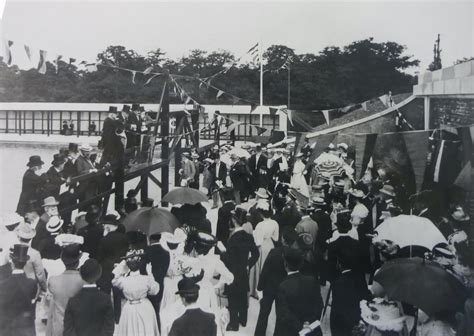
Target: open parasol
x,y
408,230
239,152
184,195
151,221
422,283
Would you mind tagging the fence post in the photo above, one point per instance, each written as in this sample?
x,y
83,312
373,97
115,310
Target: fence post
x,y
165,132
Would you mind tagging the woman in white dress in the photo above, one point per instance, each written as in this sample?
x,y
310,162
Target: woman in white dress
x,y
138,316
298,180
174,245
265,234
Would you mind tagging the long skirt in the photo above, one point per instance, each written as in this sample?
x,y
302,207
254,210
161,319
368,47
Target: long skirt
x,y
138,319
170,286
256,270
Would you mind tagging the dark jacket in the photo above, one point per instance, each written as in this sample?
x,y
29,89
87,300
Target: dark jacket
x,y
159,259
218,175
17,310
298,301
31,190
92,236
237,259
238,176
348,290
273,272
54,179
223,219
89,313
343,247
194,322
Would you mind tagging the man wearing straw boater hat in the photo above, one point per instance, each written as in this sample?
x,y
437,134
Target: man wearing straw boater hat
x,y
17,294
32,183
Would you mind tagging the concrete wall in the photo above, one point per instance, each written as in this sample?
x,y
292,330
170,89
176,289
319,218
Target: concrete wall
x,y
454,80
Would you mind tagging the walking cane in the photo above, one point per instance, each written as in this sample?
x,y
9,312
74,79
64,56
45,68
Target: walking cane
x,y
326,303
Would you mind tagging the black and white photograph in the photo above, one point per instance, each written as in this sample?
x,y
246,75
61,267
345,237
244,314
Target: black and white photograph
x,y
236,167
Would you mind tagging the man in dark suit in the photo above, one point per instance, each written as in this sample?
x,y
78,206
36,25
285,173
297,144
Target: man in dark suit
x,y
273,274
194,321
218,178
90,312
223,217
239,178
341,243
93,232
32,184
237,260
54,177
111,248
298,300
321,217
159,259
348,289
258,169
17,294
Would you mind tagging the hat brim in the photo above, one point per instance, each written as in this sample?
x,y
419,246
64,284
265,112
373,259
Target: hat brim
x,y
261,195
190,291
50,204
386,192
24,235
24,259
32,164
464,218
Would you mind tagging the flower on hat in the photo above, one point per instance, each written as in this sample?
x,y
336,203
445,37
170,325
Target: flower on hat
x,y
382,314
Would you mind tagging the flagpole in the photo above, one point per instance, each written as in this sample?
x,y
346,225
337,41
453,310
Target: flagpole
x,y
260,56
289,82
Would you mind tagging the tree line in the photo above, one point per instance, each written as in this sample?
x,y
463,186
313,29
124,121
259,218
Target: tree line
x,y
332,78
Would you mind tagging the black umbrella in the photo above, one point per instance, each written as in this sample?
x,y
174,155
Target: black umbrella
x,y
423,284
151,221
185,195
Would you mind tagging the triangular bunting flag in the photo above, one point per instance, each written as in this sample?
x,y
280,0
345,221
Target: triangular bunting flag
x,y
290,116
28,52
326,116
417,146
364,148
260,130
384,100
151,78
273,111
134,73
148,70
42,62
364,106
188,100
219,93
253,107
72,60
6,52
465,178
235,100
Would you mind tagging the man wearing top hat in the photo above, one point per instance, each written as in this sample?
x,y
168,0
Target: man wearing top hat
x,y
194,321
17,294
54,177
63,287
32,184
258,169
133,128
108,128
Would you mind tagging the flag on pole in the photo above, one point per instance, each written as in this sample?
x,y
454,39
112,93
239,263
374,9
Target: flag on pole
x,y
72,60
42,62
56,62
254,52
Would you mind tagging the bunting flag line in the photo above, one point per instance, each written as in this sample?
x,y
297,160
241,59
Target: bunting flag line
x,y
384,100
42,62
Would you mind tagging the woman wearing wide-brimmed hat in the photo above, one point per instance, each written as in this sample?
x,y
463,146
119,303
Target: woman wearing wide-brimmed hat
x,y
138,316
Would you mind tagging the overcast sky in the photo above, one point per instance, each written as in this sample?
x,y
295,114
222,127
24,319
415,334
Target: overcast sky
x,y
83,29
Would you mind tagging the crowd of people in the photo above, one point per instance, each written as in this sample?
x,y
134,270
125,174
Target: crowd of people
x,y
288,224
